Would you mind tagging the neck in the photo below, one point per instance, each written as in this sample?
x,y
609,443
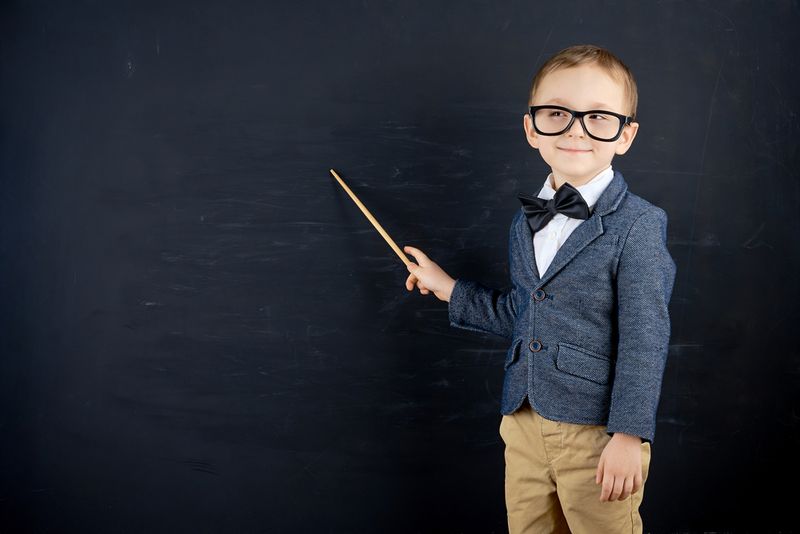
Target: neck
x,y
556,182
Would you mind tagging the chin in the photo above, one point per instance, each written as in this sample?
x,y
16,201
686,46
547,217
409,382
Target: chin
x,y
575,173
573,170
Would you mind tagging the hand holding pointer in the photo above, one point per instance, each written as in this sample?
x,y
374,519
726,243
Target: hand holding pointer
x,y
428,276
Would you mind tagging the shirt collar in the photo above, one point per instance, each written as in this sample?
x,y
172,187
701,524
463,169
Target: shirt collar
x,y
590,191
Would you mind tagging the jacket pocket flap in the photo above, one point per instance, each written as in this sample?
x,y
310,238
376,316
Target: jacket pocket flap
x,y
584,363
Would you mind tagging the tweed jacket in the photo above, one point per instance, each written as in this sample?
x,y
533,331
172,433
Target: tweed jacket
x,y
589,337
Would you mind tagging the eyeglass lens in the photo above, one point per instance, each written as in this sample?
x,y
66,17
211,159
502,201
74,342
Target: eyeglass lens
x,y
553,120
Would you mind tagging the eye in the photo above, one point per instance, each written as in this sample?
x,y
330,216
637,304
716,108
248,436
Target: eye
x,y
597,116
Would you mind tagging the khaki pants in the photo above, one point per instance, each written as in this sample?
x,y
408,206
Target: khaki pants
x,y
550,478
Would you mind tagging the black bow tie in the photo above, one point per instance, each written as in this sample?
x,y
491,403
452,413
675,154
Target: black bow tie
x,y
567,200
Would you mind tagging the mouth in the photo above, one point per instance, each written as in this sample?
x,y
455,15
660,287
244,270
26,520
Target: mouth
x,y
573,150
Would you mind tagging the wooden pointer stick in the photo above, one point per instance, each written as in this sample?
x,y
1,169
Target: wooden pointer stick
x,y
375,223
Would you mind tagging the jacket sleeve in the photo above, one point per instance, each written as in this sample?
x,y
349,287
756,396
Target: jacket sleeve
x,y
474,306
645,277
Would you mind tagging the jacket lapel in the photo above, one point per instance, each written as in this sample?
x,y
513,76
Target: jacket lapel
x,y
525,241
585,233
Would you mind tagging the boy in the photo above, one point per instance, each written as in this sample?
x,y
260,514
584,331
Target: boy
x,y
586,313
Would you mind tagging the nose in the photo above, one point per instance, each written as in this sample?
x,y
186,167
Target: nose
x,y
576,128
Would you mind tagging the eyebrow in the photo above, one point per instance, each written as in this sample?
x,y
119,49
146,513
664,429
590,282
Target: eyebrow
x,y
596,105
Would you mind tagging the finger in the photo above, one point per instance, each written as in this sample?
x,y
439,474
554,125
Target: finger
x,y
417,253
598,478
637,481
421,285
626,488
412,268
608,486
619,482
411,281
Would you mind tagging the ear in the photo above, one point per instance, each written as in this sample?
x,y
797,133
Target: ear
x,y
530,133
626,138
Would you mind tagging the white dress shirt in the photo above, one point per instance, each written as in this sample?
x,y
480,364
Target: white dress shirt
x,y
549,239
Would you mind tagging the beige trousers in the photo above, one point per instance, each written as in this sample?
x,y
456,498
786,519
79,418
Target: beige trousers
x,y
550,478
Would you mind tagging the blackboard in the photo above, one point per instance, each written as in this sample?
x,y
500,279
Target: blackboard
x,y
202,333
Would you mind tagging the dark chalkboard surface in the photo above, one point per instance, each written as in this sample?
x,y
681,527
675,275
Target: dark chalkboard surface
x,y
202,333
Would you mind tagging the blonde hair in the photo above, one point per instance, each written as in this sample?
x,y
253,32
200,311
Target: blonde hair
x,y
590,54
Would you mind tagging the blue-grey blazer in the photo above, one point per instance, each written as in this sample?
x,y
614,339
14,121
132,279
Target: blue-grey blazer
x,y
590,336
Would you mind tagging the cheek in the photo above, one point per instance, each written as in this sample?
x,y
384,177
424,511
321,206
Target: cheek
x,y
606,151
547,145
548,150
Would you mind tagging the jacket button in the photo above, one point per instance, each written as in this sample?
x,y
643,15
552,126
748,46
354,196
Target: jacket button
x,y
535,345
539,294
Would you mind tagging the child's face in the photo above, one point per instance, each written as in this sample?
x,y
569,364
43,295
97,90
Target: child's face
x,y
579,88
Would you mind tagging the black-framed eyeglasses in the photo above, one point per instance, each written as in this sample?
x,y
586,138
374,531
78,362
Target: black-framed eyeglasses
x,y
598,124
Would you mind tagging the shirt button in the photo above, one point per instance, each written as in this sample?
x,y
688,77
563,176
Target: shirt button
x,y
539,294
535,345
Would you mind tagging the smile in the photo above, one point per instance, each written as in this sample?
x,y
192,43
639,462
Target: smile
x,y
573,151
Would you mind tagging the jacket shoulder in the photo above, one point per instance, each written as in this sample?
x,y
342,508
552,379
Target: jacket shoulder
x,y
632,207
